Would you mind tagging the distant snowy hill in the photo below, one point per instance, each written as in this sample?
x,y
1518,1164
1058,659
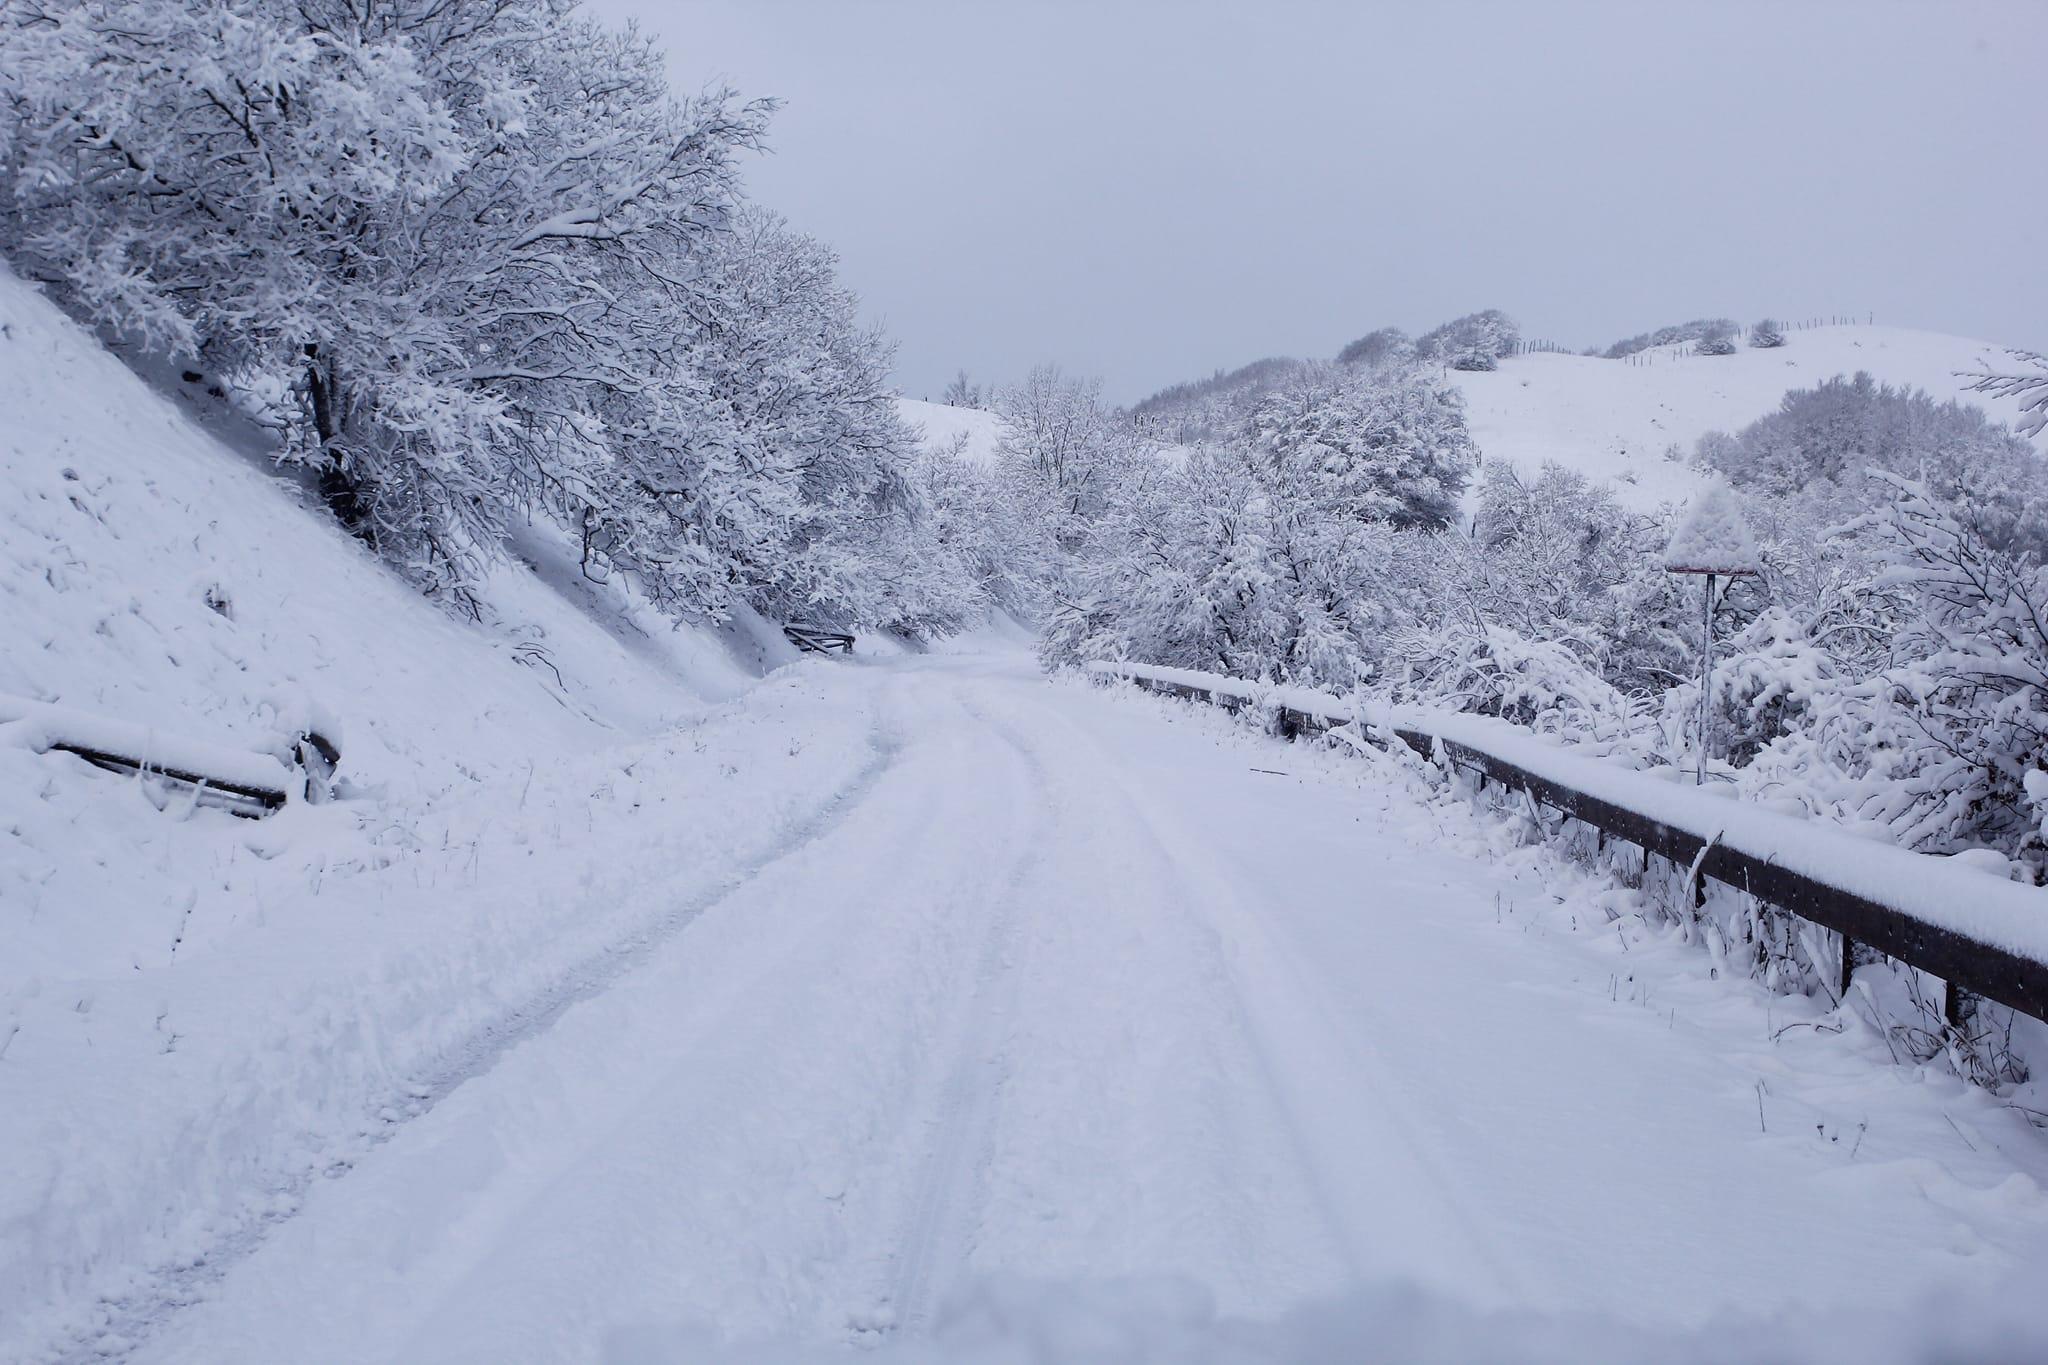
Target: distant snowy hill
x,y
1614,420
940,425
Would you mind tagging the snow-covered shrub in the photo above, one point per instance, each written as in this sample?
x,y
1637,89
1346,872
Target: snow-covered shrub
x,y
1695,330
1829,443
1767,681
1717,339
1766,334
1959,721
1476,341
1551,685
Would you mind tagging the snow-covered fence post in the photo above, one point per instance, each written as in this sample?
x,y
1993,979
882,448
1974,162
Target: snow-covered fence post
x,y
1712,541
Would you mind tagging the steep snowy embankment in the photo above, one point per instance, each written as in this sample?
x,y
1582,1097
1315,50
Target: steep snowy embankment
x,y
200,1013
1615,419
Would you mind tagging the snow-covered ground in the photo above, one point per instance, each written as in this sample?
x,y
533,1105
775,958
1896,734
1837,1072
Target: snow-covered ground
x,y
940,425
629,1003
1089,988
1615,419
198,1012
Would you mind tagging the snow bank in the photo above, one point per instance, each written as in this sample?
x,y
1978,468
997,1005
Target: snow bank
x,y
1613,420
1935,891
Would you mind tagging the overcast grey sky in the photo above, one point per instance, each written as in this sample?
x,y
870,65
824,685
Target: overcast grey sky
x,y
1147,192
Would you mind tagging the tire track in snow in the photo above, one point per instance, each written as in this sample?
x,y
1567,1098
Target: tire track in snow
x,y
126,1323
1302,1045
938,1232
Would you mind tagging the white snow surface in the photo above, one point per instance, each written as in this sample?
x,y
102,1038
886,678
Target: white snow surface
x,y
1614,420
629,1006
1711,536
1935,890
197,1011
1089,988
939,425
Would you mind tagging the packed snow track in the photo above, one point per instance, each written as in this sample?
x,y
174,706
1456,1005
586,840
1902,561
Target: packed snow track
x,y
1078,985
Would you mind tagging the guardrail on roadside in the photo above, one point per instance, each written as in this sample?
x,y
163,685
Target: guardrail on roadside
x,y
240,781
1978,934
817,639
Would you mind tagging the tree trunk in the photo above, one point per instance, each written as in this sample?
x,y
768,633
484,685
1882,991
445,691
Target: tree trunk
x,y
339,488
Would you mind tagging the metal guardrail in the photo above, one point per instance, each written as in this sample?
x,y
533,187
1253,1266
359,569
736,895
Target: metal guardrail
x,y
817,639
237,798
1963,962
239,781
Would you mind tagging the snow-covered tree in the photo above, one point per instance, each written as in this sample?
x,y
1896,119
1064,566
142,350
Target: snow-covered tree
x,y
1476,341
1673,335
768,465
1718,339
1064,451
2028,384
961,393
432,221
1766,334
1822,444
1377,350
1354,447
1273,554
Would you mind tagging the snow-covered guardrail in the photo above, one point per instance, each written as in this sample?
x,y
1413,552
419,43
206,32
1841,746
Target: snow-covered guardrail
x,y
817,639
237,780
1974,931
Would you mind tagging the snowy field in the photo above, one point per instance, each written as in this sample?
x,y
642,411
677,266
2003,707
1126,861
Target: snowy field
x,y
940,426
1614,420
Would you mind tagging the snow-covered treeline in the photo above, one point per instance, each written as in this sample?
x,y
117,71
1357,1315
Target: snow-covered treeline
x,y
1887,671
1272,551
1214,408
474,262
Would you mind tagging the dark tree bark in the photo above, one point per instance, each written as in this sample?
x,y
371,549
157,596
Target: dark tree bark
x,y
339,488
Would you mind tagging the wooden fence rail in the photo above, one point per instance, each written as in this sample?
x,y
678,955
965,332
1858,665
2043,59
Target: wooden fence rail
x,y
1965,961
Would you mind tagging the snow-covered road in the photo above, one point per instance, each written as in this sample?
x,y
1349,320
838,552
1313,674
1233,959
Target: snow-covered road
x,y
1080,984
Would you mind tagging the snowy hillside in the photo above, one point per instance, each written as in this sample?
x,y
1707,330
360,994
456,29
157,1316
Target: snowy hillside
x,y
243,995
940,425
1614,420
220,603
